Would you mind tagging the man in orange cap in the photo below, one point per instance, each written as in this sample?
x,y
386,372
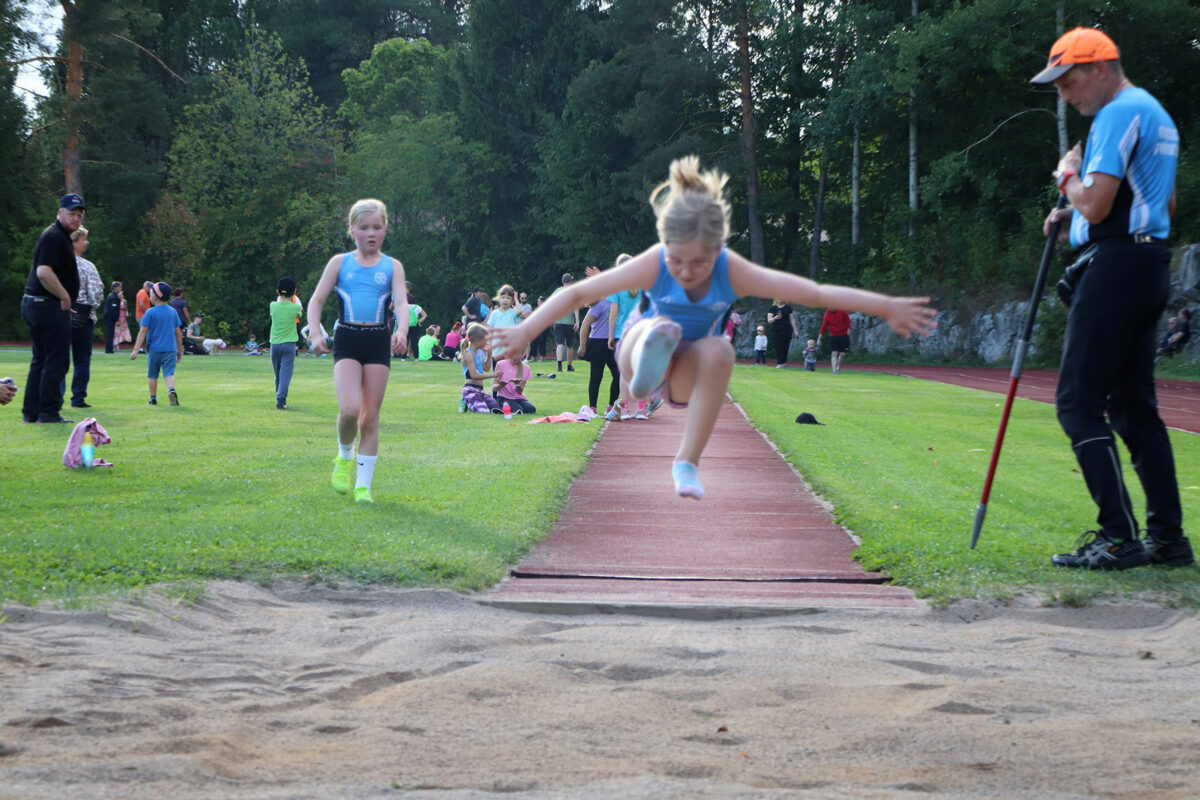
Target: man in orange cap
x,y
1121,190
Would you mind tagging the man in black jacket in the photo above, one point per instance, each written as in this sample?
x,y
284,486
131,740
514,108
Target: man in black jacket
x,y
52,285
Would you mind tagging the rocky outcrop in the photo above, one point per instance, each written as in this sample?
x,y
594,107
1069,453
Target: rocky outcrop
x,y
989,336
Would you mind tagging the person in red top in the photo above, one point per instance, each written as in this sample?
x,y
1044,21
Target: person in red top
x,y
837,322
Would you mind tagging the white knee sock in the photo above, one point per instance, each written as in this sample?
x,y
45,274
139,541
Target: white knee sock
x,y
366,470
345,450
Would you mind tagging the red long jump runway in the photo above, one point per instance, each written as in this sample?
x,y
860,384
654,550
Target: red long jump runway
x,y
1178,401
760,542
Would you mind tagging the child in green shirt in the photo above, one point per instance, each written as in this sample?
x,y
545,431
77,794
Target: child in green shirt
x,y
285,313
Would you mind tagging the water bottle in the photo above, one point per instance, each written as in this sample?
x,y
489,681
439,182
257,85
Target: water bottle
x,y
462,405
88,450
507,409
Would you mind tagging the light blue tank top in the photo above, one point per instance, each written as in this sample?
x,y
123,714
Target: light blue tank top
x,y
479,355
698,319
363,292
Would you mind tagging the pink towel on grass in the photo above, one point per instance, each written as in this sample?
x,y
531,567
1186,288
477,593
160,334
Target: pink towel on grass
x,y
566,416
72,456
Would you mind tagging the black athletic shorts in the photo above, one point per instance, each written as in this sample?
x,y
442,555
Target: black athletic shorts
x,y
562,333
839,344
366,344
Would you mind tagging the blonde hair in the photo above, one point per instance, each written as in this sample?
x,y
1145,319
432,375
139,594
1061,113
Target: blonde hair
x,y
364,208
78,233
476,331
621,259
690,205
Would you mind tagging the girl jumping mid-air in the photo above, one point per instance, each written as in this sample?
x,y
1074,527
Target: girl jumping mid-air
x,y
364,280
673,347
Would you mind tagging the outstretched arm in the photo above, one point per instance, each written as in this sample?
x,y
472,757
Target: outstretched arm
x,y
904,315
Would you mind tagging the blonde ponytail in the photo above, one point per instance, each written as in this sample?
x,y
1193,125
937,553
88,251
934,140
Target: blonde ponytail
x,y
690,205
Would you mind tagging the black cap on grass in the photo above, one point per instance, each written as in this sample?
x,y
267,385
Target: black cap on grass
x,y
808,419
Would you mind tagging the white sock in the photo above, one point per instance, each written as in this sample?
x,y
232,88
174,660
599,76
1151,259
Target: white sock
x,y
366,470
345,450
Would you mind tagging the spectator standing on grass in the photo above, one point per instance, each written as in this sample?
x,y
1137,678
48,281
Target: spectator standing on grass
x,y
504,314
416,318
810,356
1121,194
594,346
141,303
162,337
121,333
284,316
537,348
181,308
114,304
475,309
621,306
363,343
564,330
50,289
837,322
83,319
783,328
675,349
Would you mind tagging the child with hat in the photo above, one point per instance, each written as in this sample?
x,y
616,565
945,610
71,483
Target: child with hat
x,y
162,337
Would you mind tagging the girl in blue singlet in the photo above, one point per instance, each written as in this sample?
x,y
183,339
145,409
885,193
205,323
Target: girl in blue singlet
x,y
675,347
364,280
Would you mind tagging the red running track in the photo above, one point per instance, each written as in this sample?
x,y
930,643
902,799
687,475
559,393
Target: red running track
x,y
1178,401
759,543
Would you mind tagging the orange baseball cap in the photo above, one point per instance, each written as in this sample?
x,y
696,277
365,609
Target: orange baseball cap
x,y
1078,46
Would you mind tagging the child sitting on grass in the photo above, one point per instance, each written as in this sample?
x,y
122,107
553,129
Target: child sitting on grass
x,y
509,384
162,337
674,349
252,348
477,365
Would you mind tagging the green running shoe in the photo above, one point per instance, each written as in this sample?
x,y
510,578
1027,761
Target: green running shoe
x,y
341,474
362,494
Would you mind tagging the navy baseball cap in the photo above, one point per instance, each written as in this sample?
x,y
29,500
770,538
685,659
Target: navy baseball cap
x,y
162,289
71,201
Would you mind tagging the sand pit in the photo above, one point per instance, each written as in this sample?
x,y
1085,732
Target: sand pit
x,y
310,692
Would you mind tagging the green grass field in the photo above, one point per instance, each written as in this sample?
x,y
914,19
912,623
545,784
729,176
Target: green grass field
x,y
225,486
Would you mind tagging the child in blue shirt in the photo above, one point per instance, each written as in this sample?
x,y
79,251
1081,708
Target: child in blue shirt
x,y
162,337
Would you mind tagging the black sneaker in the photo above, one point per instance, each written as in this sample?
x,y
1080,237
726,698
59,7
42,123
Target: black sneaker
x,y
570,368
174,398
280,406
152,402
1175,553
1097,551
81,405
54,420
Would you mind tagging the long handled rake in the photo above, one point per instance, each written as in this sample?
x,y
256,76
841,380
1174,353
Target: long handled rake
x,y
1017,368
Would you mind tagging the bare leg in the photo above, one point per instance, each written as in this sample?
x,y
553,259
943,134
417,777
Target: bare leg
x,y
661,335
348,382
700,378
374,384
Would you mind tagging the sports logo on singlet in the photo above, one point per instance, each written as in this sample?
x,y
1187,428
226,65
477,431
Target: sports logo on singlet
x,y
380,279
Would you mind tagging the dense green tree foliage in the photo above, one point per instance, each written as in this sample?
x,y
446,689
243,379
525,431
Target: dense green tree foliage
x,y
221,141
